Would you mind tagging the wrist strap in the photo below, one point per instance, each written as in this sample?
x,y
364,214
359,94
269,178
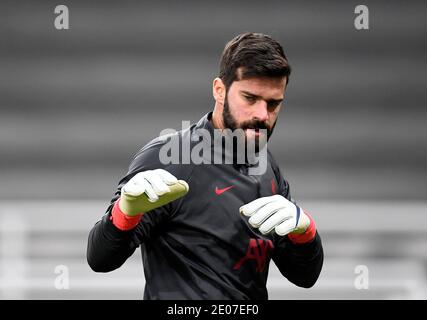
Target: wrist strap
x,y
123,221
307,236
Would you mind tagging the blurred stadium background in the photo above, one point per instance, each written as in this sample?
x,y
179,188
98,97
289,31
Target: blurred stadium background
x,y
76,104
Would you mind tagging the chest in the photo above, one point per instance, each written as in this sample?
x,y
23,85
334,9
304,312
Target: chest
x,y
216,194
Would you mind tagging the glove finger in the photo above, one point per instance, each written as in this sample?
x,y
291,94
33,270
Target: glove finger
x,y
276,219
286,227
149,191
157,183
167,177
250,208
133,189
263,213
184,184
138,179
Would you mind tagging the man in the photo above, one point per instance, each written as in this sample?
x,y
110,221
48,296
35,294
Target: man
x,y
212,233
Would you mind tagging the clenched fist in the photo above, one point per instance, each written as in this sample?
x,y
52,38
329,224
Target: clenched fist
x,y
278,213
149,190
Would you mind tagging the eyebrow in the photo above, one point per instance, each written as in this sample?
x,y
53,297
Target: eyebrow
x,y
257,96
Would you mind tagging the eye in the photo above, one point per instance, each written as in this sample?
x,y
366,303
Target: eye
x,y
273,104
250,99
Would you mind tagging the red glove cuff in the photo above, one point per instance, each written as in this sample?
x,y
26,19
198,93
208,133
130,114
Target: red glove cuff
x,y
305,237
121,220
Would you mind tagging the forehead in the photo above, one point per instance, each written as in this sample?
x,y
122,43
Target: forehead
x,y
261,86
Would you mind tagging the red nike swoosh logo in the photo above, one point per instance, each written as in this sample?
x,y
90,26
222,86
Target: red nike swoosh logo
x,y
220,191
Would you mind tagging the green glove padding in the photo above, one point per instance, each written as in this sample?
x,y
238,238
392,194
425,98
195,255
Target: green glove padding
x,y
134,205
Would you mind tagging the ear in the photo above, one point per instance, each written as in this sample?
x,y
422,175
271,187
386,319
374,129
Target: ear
x,y
218,90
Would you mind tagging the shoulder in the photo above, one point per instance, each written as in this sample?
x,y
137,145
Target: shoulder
x,y
156,154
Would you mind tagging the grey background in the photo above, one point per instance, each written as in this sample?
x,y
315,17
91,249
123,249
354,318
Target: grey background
x,y
77,104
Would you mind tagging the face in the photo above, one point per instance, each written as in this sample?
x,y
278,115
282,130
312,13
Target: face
x,y
253,104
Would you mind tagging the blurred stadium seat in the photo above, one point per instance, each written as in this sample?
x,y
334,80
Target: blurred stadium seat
x,y
76,104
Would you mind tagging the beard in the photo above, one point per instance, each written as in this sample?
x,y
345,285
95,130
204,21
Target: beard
x,y
231,123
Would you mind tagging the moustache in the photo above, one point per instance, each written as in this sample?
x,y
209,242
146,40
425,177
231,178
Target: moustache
x,y
255,125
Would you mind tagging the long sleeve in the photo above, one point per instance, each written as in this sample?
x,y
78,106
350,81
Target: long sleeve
x,y
301,264
108,246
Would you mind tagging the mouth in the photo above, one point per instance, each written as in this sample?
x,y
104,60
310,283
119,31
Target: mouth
x,y
254,131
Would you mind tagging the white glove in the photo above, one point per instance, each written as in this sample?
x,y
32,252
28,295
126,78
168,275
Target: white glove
x,y
149,190
278,213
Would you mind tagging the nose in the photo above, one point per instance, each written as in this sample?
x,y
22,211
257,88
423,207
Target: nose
x,y
261,111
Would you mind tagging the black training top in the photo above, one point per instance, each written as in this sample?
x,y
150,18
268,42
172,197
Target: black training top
x,y
200,246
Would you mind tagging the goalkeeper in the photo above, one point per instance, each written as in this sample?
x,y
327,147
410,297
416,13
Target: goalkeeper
x,y
209,231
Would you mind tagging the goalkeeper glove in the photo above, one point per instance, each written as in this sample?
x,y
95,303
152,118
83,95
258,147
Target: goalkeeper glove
x,y
149,190
278,213
144,192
